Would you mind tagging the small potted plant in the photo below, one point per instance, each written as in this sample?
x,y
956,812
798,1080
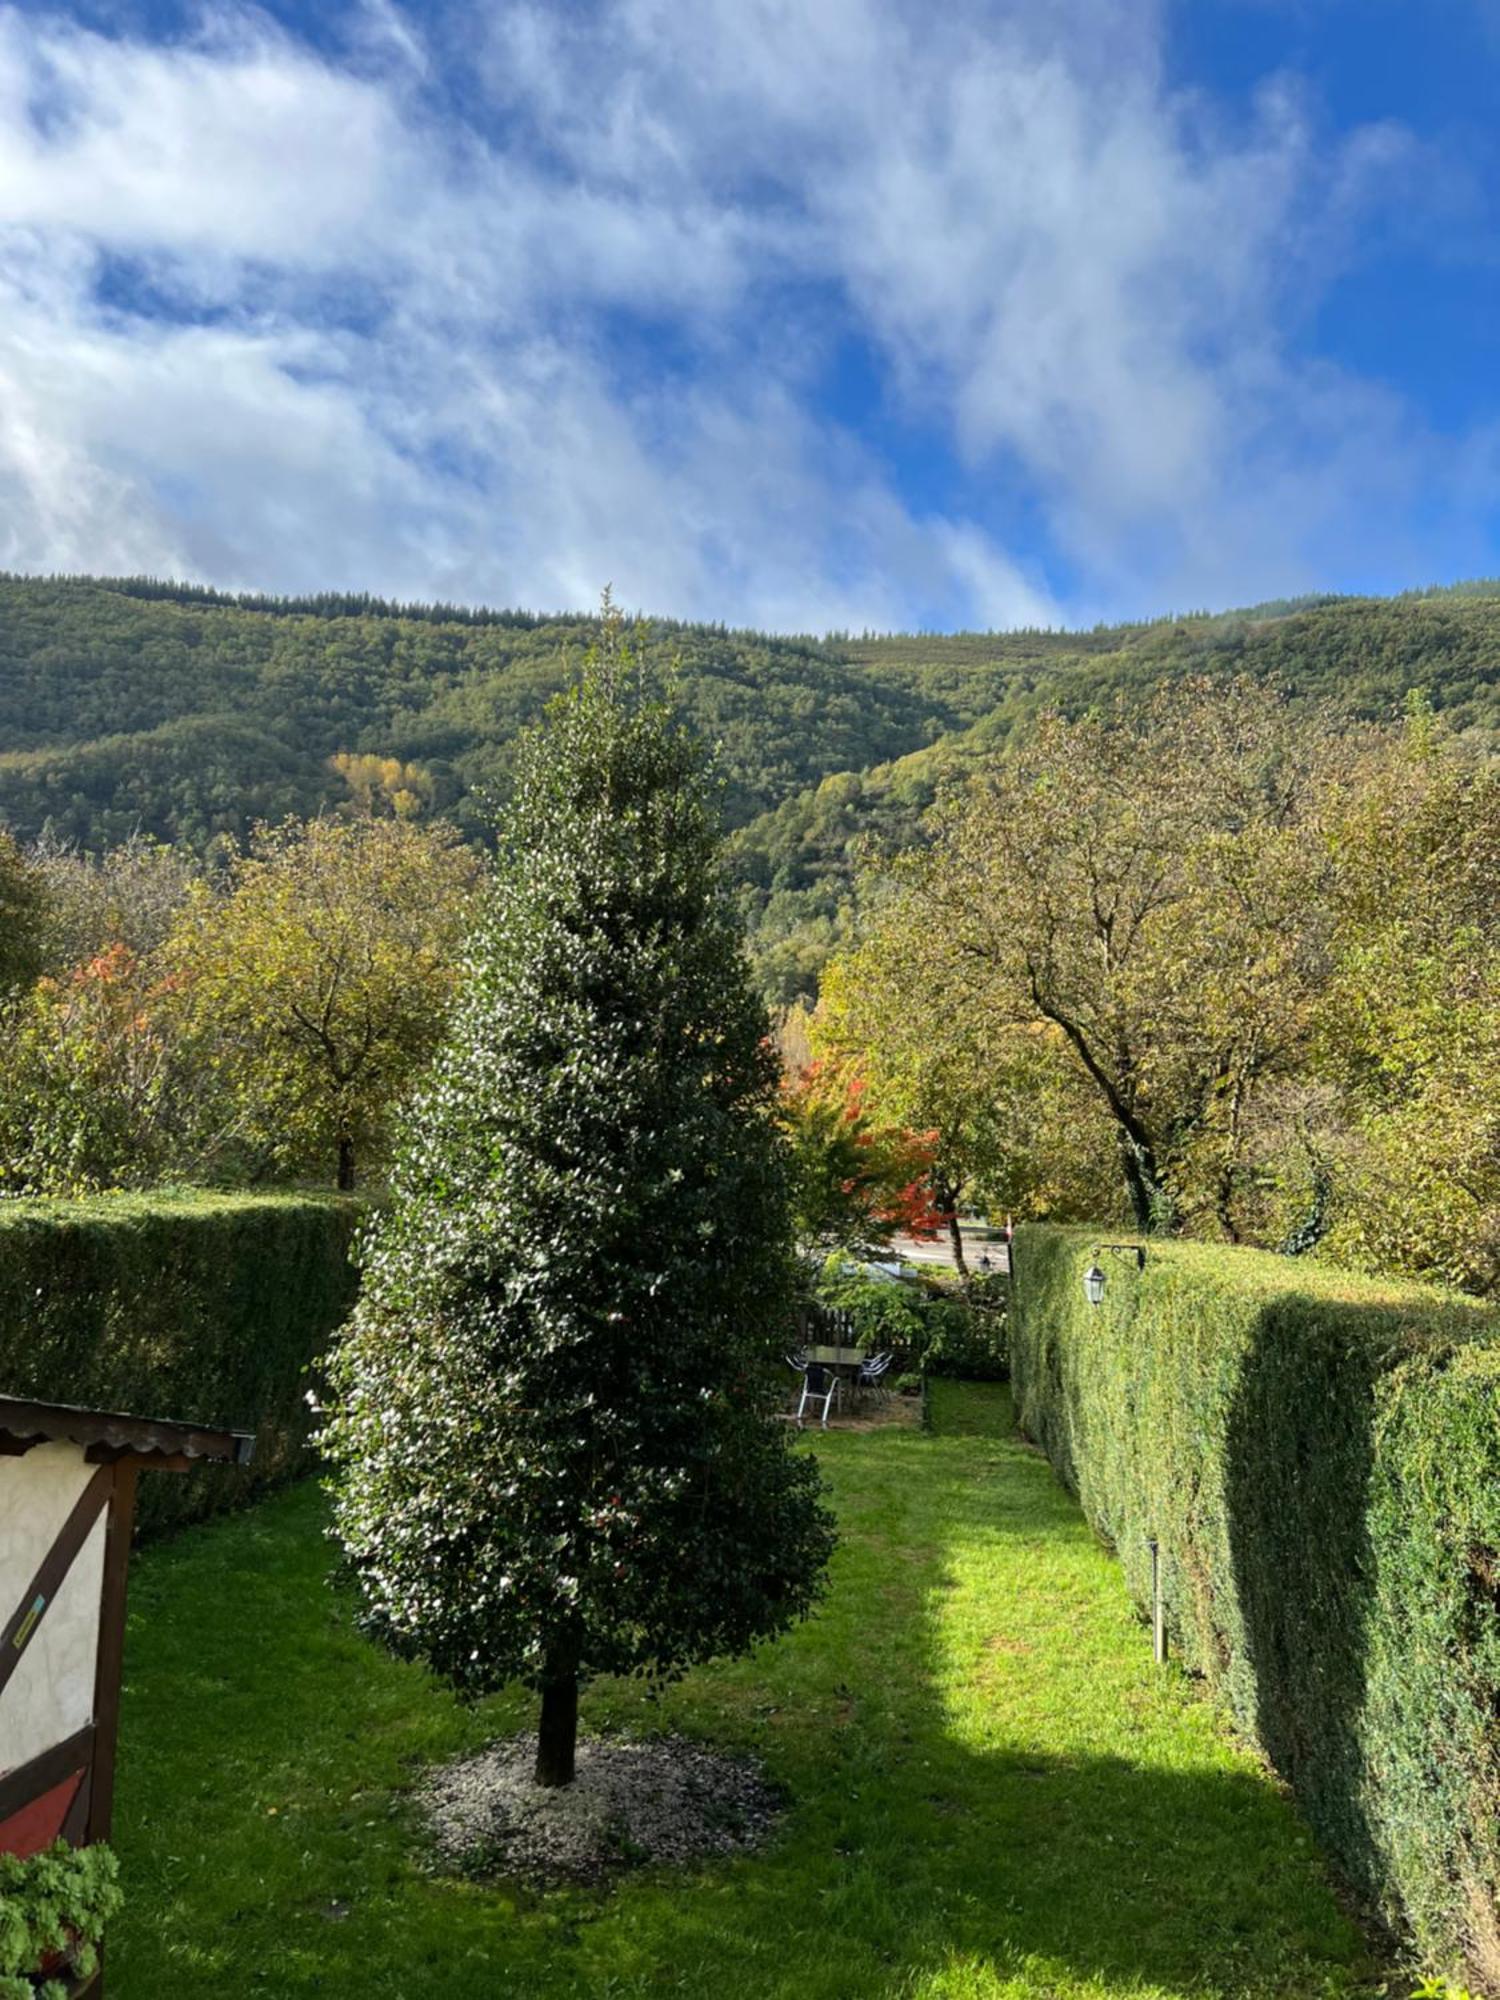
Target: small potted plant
x,y
53,1910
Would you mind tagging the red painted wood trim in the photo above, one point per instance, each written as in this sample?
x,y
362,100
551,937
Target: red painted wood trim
x,y
44,1586
19,1787
44,1820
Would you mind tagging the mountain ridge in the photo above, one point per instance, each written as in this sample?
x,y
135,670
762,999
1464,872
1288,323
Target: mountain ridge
x,y
135,705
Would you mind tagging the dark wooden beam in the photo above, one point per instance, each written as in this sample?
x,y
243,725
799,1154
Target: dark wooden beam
x,y
153,1461
111,1665
75,1827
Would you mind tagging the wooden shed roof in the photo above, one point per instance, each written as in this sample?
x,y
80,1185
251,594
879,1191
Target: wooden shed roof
x,y
106,1435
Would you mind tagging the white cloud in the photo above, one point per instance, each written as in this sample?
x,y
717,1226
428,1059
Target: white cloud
x,y
1075,273
279,322
245,149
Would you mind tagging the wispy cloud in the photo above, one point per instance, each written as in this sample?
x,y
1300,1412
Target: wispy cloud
x,y
505,305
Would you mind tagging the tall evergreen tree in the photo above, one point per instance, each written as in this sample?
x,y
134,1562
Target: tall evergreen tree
x,y
553,1450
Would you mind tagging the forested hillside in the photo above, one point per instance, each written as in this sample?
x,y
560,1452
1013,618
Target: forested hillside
x,y
137,707
1366,654
188,716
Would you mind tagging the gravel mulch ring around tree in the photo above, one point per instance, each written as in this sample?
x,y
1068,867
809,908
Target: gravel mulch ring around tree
x,y
634,1803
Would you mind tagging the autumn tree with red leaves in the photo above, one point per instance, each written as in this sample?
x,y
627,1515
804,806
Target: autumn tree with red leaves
x,y
858,1180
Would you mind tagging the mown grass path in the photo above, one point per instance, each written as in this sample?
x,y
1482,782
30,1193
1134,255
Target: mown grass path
x,y
994,1793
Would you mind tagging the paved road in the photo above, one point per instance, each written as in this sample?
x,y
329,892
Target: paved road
x,y
976,1245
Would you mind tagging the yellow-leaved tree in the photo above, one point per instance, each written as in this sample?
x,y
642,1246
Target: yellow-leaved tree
x,y
1409,1035
380,785
320,982
1012,1126
1150,887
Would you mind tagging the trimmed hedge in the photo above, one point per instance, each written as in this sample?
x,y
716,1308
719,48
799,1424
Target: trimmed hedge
x,y
203,1307
1318,1457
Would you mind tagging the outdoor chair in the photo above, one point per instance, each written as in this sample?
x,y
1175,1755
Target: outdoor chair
x,y
871,1378
797,1362
819,1386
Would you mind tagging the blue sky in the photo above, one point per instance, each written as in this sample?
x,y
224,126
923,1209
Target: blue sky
x,y
798,313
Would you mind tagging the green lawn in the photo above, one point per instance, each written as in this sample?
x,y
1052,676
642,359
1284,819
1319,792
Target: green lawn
x,y
994,1793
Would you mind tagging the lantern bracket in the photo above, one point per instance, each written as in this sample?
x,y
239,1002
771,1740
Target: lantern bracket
x,y
1094,1279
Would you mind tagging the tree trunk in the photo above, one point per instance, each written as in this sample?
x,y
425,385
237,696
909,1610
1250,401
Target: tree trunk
x,y
1141,1181
1139,1156
956,1238
557,1739
947,1195
346,1164
1224,1203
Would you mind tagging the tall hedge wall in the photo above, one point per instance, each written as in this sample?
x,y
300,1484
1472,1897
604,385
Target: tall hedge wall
x,y
1318,1457
200,1307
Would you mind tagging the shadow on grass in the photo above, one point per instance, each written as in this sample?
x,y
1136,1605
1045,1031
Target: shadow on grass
x,y
1177,1868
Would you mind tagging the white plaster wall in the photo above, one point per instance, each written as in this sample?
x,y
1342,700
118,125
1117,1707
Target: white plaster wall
x,y
51,1693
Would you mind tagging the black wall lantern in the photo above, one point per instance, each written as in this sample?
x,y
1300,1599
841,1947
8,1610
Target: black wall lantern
x,y
1094,1279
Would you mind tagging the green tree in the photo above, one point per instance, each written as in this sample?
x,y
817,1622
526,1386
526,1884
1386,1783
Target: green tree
x,y
23,918
553,1449
1010,1125
1153,884
1409,1034
856,1178
97,1092
320,982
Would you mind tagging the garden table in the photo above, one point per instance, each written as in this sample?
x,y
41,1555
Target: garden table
x,y
845,1362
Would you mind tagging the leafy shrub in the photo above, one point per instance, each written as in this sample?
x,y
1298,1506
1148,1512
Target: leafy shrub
x,y
1318,1457
194,1306
54,1905
885,1315
926,1327
94,1092
966,1341
989,1289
